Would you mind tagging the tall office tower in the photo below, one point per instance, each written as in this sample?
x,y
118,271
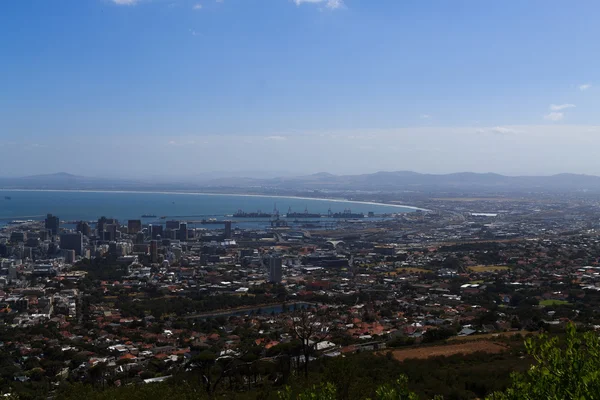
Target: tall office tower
x,y
52,223
172,225
110,232
183,232
100,226
12,272
32,241
27,253
84,228
18,237
275,270
134,226
69,256
102,222
139,238
112,248
153,251
72,241
227,229
156,230
44,234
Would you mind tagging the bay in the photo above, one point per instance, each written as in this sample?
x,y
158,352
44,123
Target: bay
x,y
90,205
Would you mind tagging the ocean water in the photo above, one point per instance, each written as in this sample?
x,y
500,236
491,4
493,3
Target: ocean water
x,y
89,206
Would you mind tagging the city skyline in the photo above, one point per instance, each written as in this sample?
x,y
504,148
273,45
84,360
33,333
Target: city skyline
x,y
170,88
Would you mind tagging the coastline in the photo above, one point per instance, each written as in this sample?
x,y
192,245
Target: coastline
x,y
219,194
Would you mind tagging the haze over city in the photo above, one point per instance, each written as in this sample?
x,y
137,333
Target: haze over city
x,y
142,88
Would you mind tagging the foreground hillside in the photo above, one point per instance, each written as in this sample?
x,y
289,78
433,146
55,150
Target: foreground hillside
x,y
563,367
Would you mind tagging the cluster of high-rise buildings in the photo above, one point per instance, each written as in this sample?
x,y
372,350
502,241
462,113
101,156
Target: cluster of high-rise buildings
x,y
156,241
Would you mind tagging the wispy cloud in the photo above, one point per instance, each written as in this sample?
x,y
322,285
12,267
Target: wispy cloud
x,y
197,6
125,2
334,4
556,111
330,4
558,107
425,116
276,138
554,116
585,86
498,130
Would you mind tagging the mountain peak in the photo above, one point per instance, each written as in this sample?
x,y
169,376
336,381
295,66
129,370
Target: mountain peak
x,y
322,175
56,175
62,174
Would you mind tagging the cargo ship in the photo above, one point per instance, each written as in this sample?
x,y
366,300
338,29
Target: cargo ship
x,y
305,214
258,214
148,216
212,221
347,213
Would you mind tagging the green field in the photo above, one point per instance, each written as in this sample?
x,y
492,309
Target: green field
x,y
412,270
546,303
488,268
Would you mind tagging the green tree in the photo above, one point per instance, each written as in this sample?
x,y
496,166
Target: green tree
x,y
397,391
325,391
569,370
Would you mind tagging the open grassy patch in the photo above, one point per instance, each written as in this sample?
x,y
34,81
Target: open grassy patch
x,y
447,350
550,302
488,268
412,270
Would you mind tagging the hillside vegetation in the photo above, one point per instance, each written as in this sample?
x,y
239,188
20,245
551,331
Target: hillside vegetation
x,y
563,367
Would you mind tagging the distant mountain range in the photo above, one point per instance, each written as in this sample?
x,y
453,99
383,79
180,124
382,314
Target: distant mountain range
x,y
63,180
379,181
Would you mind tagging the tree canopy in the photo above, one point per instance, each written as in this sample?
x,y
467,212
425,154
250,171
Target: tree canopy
x,y
564,367
567,369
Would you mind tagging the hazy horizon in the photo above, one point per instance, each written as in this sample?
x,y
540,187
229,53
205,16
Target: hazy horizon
x,y
215,175
172,89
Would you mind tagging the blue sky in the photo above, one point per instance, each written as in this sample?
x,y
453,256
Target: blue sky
x,y
344,86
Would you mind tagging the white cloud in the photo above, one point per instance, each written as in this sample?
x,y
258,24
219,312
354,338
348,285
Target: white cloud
x,y
331,4
556,113
585,86
558,107
498,130
125,2
554,116
276,138
334,4
197,6
425,116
